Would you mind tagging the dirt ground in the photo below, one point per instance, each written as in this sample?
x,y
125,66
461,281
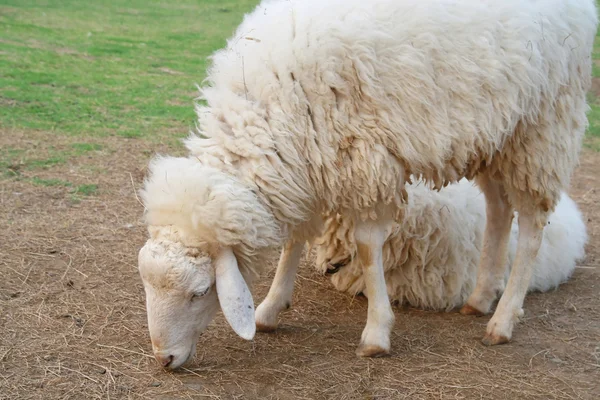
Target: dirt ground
x,y
73,321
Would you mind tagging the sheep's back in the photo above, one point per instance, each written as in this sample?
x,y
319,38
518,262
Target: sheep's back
x,y
429,87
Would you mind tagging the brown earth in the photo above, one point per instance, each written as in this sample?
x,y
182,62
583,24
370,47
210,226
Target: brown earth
x,y
73,322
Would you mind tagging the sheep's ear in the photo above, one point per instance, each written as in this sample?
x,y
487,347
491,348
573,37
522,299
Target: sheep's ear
x,y
234,295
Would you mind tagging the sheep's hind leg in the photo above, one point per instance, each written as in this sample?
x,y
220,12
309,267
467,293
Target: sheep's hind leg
x,y
279,297
375,340
510,307
493,259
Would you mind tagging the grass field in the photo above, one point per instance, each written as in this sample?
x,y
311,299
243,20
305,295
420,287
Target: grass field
x,y
89,91
96,70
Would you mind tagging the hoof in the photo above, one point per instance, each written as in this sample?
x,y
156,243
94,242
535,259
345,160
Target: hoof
x,y
371,351
265,328
492,340
469,310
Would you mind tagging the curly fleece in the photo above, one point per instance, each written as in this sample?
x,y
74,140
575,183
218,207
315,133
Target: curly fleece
x,y
430,261
329,106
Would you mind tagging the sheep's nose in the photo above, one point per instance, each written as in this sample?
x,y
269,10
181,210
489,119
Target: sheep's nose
x,y
163,360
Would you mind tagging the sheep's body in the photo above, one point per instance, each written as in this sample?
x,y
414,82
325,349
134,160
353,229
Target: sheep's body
x,y
328,107
430,260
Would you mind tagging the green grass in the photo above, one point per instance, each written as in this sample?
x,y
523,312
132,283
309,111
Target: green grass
x,y
92,69
10,161
82,190
46,162
592,140
86,190
82,148
108,67
76,192
50,182
14,160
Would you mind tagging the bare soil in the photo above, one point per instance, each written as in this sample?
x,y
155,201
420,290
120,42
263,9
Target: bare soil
x,y
73,321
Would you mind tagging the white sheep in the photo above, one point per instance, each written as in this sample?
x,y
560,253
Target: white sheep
x,y
430,260
317,107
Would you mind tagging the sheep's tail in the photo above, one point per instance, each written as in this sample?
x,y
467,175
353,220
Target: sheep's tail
x,y
562,246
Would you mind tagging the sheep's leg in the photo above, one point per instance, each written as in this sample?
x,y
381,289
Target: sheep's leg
x,y
375,340
509,310
279,297
493,259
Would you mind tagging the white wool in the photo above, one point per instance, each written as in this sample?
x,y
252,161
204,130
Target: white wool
x,y
329,106
431,259
208,209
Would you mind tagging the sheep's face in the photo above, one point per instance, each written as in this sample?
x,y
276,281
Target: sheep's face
x,y
184,287
181,298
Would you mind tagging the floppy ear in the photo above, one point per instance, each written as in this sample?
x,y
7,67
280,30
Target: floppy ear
x,y
234,295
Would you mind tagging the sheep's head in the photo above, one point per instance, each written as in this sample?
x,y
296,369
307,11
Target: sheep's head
x,y
196,216
184,287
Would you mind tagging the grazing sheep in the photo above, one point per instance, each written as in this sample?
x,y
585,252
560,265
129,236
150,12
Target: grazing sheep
x,y
430,261
318,107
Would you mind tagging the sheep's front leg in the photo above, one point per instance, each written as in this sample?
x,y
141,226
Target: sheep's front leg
x,y
510,306
375,340
279,297
493,259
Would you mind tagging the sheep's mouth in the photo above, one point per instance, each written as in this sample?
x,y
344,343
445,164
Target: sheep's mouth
x,y
333,268
190,355
186,360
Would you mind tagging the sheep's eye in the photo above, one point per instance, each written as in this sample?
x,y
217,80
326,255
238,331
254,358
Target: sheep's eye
x,y
333,268
195,295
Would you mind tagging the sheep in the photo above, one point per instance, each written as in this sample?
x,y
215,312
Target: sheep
x,y
318,107
430,260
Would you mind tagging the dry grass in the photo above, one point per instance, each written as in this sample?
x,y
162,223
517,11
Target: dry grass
x,y
72,320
